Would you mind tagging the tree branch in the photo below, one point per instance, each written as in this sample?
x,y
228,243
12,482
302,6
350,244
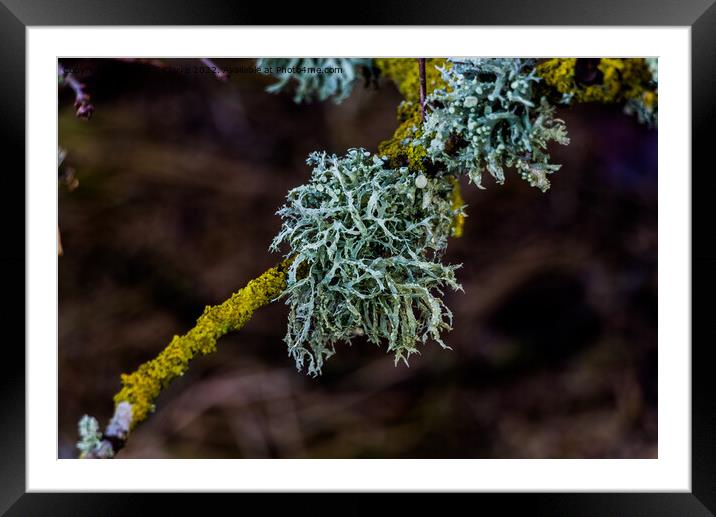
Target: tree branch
x,y
135,401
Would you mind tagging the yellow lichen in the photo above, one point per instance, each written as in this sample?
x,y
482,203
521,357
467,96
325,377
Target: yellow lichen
x,y
398,148
143,386
458,220
622,80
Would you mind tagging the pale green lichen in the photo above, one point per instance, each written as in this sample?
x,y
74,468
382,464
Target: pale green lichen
x,y
653,64
90,436
369,239
490,118
314,78
143,386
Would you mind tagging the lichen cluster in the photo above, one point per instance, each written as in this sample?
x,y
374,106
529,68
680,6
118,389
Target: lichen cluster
x,y
90,436
632,82
314,78
369,239
143,386
368,231
490,118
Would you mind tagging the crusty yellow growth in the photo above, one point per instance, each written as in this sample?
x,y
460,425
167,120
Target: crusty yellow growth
x,y
458,220
623,79
404,73
398,148
143,386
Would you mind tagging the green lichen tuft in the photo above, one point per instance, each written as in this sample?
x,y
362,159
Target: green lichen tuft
x,y
90,436
369,238
490,118
142,387
314,78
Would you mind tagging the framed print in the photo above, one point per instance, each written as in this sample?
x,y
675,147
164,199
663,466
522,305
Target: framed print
x,y
433,250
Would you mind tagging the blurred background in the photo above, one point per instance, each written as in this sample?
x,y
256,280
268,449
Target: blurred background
x,y
554,347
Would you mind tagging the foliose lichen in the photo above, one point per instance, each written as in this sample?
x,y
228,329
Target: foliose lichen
x,y
490,118
314,78
368,239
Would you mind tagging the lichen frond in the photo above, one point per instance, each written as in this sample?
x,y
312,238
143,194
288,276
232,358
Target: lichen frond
x,y
142,387
314,78
90,436
490,118
369,238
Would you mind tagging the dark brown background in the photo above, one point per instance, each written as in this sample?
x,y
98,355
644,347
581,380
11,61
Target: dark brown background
x,y
554,348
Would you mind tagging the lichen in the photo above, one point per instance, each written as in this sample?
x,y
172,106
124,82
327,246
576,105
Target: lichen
x,y
632,82
370,238
398,149
90,436
490,118
622,79
314,78
143,386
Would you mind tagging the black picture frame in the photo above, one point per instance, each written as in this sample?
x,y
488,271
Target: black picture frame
x,y
17,15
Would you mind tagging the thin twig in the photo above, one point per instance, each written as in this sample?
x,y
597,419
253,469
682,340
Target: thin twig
x,y
218,71
83,106
423,84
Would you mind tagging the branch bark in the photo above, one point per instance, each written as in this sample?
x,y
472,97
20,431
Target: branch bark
x,y
423,84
